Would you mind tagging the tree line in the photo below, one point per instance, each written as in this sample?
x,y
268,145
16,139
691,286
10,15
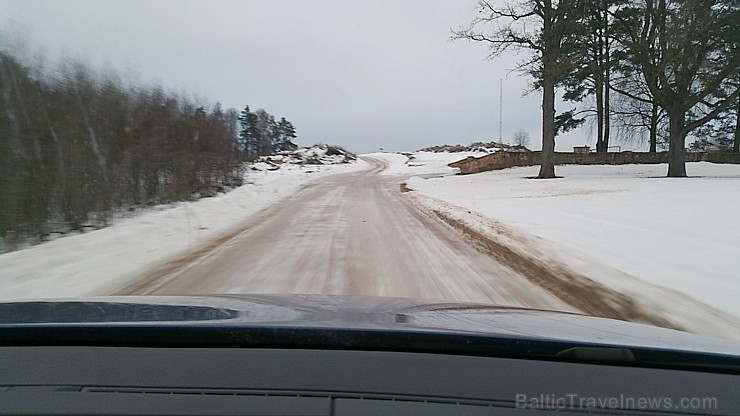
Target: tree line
x,y
260,134
658,69
78,147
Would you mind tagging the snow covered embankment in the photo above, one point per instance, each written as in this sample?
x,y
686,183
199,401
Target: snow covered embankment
x,y
99,262
669,245
421,163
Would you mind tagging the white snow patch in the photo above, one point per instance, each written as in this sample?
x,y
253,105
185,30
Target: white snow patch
x,y
617,223
98,262
422,163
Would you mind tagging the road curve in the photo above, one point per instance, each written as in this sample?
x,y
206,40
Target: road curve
x,y
350,234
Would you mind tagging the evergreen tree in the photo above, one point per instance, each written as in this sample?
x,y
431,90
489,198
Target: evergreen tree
x,y
286,134
260,134
248,133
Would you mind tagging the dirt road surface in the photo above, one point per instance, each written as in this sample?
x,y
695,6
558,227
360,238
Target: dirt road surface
x,y
350,234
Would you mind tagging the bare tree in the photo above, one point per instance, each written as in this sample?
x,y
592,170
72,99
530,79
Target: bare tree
x,y
636,111
544,28
265,127
64,135
521,138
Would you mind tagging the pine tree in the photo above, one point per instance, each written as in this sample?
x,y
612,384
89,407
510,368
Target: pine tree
x,y
260,134
248,133
286,134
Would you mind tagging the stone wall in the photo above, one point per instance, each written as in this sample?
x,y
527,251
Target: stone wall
x,y
503,160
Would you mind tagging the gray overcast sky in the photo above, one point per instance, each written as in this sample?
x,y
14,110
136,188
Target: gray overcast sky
x,y
365,74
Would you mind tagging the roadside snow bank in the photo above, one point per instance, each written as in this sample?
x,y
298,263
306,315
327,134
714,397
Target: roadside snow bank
x,y
98,262
627,227
422,163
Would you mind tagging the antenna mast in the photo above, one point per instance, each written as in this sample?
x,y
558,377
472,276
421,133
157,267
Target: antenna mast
x,y
501,111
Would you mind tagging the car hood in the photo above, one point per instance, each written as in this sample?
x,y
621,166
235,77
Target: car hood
x,y
353,313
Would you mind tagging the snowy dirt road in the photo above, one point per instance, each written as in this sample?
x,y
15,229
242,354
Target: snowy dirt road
x,y
352,234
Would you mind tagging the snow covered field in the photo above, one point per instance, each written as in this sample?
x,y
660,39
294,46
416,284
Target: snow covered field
x,y
100,261
627,227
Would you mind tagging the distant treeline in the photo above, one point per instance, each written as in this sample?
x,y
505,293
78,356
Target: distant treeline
x,y
76,147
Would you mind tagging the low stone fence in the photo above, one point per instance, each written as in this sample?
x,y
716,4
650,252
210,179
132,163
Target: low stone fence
x,y
503,160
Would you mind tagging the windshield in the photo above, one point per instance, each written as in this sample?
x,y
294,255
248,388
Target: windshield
x,y
579,158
